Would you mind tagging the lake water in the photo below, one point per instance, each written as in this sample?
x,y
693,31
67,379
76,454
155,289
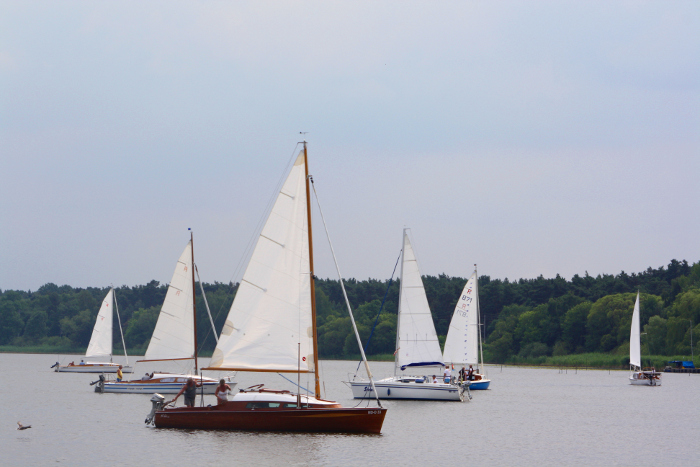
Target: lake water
x,y
530,416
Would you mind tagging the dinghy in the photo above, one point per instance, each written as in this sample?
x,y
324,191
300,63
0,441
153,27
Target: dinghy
x,y
174,338
100,345
638,375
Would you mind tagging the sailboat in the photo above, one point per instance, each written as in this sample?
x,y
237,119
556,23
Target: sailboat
x,y
417,345
639,376
100,345
174,337
271,327
463,342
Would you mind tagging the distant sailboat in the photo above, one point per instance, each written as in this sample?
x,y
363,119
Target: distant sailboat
x,y
417,345
100,345
639,376
174,337
271,327
463,342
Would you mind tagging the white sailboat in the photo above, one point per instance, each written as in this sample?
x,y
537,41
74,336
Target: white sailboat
x,y
639,376
463,343
174,337
100,345
417,345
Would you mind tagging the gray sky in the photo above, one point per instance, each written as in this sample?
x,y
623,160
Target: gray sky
x,y
528,137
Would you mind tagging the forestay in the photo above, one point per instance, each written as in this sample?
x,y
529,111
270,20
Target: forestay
x,y
101,340
269,324
635,351
462,343
173,337
417,340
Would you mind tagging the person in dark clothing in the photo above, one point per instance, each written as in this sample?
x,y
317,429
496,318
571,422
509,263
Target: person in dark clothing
x,y
190,390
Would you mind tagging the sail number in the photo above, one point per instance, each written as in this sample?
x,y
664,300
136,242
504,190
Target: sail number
x,y
374,412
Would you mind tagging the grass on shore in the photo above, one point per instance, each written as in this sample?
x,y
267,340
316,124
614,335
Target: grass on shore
x,y
584,360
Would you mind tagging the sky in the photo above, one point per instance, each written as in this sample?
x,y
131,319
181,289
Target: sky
x,y
528,137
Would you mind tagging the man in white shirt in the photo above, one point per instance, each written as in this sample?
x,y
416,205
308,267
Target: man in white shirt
x,y
447,375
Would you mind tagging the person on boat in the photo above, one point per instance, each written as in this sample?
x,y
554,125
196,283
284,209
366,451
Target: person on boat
x,y
470,373
120,375
82,362
221,392
71,364
145,377
447,374
463,374
435,381
190,390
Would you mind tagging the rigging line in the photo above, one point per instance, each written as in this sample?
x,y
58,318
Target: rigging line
x,y
380,310
295,384
345,295
206,303
258,227
266,212
119,320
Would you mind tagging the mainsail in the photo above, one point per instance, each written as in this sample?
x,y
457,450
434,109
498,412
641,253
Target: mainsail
x,y
173,337
635,350
269,326
101,340
462,343
417,341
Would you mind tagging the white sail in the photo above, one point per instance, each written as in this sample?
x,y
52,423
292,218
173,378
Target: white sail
x,y
101,340
173,337
635,350
270,324
462,343
417,341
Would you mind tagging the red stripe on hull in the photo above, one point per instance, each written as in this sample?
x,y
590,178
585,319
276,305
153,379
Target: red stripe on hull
x,y
334,420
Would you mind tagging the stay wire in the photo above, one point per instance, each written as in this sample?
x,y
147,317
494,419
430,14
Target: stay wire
x,y
380,311
256,232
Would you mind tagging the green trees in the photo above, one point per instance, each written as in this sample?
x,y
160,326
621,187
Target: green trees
x,y
523,319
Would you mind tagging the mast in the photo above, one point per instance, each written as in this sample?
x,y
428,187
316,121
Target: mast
x,y
398,314
194,303
317,384
478,316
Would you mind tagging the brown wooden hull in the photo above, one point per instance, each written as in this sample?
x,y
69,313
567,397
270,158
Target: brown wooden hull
x,y
334,420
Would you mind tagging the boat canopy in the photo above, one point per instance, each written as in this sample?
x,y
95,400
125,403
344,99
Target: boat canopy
x,y
421,364
682,364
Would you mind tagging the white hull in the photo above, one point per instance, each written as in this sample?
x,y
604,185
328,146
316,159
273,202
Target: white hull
x,y
163,384
391,388
645,378
93,368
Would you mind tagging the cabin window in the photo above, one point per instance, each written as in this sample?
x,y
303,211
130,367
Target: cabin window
x,y
290,406
262,405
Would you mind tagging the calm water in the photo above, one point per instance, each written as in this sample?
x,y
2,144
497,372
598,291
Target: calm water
x,y
529,417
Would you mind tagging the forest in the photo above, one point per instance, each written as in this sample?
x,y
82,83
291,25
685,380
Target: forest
x,y
525,320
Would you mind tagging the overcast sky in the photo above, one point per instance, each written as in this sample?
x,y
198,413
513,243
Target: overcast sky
x,y
528,137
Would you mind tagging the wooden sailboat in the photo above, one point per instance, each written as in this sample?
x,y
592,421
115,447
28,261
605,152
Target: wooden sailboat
x,y
100,345
639,376
271,327
463,343
174,337
418,348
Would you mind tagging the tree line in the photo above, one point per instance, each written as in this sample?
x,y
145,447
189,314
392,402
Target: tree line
x,y
522,319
